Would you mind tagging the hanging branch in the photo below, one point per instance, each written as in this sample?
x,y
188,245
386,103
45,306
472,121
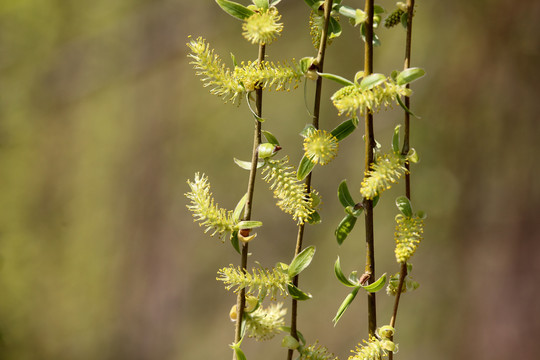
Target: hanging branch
x,y
241,298
405,150
318,66
370,145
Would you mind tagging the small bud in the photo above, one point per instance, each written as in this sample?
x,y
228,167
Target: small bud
x,y
233,314
388,345
243,236
267,150
289,342
386,332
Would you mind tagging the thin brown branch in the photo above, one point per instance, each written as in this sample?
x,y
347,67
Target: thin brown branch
x,y
241,298
318,64
370,145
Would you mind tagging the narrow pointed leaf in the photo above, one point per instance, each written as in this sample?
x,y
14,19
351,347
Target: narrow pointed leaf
x,y
239,353
344,305
246,165
395,139
235,9
304,168
297,294
314,4
314,218
239,207
344,129
377,285
234,242
270,138
261,4
301,261
334,29
370,81
249,224
344,228
402,104
344,195
341,277
404,205
346,11
409,75
336,78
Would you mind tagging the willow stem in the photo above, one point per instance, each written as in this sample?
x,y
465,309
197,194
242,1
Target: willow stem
x,y
241,298
405,150
370,145
318,64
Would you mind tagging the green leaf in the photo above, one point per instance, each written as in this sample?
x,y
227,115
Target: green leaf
x,y
336,78
300,335
344,228
234,242
289,342
377,285
239,353
261,4
314,4
404,205
377,9
422,215
360,17
250,224
404,18
270,137
345,10
376,200
235,9
344,305
409,75
234,60
239,207
316,199
334,29
370,81
304,168
355,210
341,277
301,261
297,294
305,63
376,41
246,165
402,104
395,139
344,195
344,129
314,218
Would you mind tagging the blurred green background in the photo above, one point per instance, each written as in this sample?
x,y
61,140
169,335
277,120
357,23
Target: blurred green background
x,y
102,121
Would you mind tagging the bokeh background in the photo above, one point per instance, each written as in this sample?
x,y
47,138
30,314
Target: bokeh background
x,y
102,121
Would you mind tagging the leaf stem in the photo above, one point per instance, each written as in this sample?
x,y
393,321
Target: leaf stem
x,y
319,62
405,150
241,298
370,145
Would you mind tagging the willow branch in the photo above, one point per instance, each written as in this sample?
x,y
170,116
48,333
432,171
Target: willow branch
x,y
370,145
241,298
318,64
405,150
